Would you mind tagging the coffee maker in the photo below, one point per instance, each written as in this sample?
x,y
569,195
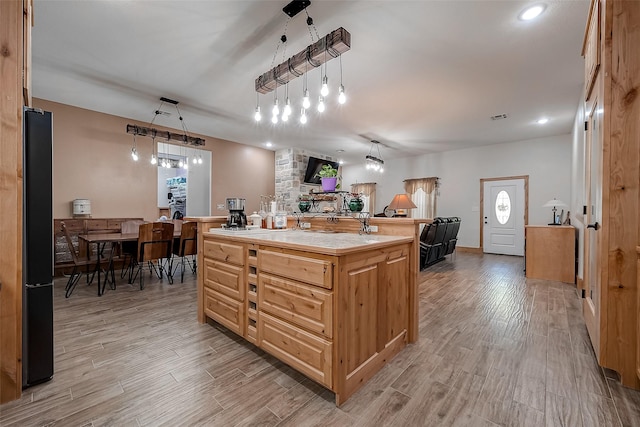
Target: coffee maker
x,y
236,219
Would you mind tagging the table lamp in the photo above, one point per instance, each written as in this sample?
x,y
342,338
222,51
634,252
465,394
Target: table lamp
x,y
401,202
555,204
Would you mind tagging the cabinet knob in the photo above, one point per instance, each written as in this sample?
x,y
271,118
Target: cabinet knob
x,y
595,226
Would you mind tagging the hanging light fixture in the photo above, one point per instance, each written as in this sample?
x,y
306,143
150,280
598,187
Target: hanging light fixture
x,y
199,159
303,116
372,162
152,133
154,160
257,116
134,150
342,98
317,54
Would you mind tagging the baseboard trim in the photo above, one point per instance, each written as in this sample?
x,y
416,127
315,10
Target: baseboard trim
x,y
469,250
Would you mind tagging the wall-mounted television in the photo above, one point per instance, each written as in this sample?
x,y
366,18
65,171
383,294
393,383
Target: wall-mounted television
x,y
314,166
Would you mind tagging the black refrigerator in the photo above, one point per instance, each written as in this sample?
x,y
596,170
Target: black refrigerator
x,y
37,244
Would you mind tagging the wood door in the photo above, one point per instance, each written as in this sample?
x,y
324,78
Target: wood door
x,y
504,216
592,246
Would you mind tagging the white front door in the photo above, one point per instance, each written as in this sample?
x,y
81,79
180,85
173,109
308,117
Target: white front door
x,y
503,221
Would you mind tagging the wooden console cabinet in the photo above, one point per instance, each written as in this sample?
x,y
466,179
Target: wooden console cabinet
x,y
551,252
336,313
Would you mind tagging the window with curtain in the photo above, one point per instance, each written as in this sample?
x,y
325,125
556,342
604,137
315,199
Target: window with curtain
x,y
368,192
423,193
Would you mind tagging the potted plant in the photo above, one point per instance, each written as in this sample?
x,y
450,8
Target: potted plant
x,y
329,178
304,202
355,202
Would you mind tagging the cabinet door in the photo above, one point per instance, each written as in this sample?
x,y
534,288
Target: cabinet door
x,y
307,306
592,49
393,299
225,310
299,349
225,278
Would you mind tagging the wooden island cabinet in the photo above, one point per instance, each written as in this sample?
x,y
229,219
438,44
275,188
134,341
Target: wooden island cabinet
x,y
335,306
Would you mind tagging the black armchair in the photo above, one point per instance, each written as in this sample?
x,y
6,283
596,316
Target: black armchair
x,y
437,240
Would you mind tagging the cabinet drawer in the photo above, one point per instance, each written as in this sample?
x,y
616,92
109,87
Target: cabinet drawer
x,y
224,252
299,349
225,278
307,306
318,272
224,310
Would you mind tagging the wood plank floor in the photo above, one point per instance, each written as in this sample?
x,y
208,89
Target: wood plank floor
x,y
494,349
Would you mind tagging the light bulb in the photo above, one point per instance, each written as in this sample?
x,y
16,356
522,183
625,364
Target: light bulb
x,y
274,119
200,159
134,154
320,104
257,116
285,117
195,160
381,170
325,87
153,159
186,165
180,163
287,108
306,101
342,98
276,109
303,116
368,166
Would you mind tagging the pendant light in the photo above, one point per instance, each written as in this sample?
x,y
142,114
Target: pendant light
x,y
154,160
257,116
303,116
342,98
134,150
320,104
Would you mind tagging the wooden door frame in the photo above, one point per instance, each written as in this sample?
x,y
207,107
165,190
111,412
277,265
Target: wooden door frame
x,y
16,16
506,178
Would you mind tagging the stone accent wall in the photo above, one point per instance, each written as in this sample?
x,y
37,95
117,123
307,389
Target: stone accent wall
x,y
291,164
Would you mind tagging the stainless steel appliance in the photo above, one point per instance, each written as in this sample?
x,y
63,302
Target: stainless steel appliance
x,y
37,312
236,219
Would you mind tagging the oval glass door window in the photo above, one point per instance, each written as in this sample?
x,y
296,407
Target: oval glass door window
x,y
503,207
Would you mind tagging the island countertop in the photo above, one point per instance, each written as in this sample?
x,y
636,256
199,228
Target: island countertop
x,y
318,241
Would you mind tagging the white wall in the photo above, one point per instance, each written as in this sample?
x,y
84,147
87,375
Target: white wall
x,y
547,161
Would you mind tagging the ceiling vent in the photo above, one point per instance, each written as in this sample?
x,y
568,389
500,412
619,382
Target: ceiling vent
x,y
499,117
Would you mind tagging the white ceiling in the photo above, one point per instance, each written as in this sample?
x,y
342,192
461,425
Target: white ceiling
x,y
421,76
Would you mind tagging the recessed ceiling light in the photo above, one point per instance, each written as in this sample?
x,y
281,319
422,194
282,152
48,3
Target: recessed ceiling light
x,y
531,12
542,121
268,144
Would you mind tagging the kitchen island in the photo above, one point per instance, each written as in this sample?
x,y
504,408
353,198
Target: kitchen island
x,y
335,306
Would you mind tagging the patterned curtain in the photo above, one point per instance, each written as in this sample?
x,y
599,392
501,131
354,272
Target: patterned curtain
x,y
368,190
423,194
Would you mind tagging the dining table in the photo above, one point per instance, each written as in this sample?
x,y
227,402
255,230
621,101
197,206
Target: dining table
x,y
101,240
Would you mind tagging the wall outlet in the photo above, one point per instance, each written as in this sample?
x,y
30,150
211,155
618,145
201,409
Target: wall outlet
x,y
220,206
305,225
373,228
